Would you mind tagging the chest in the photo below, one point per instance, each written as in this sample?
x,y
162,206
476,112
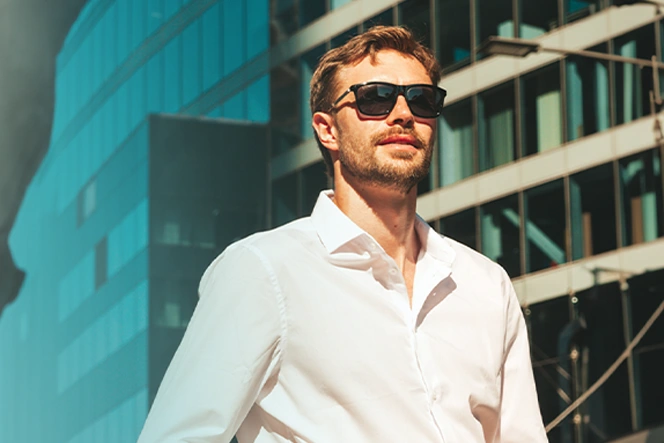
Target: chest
x,y
353,327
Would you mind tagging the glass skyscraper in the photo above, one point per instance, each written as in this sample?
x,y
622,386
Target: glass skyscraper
x,y
181,126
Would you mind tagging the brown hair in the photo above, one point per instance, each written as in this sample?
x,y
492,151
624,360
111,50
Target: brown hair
x,y
324,81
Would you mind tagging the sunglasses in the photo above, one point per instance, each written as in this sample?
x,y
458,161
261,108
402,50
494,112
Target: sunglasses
x,y
377,98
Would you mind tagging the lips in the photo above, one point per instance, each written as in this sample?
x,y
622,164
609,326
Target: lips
x,y
400,139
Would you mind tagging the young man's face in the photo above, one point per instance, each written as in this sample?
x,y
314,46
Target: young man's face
x,y
392,150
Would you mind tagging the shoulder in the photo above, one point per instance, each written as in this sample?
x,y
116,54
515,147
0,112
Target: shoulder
x,y
256,254
467,256
477,270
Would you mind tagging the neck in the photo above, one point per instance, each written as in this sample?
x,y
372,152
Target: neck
x,y
388,215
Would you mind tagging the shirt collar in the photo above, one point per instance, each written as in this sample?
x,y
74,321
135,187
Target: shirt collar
x,y
335,229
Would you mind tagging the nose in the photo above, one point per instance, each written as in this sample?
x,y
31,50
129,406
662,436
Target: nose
x,y
401,113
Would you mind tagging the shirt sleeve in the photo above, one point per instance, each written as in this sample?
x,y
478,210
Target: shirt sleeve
x,y
231,348
521,419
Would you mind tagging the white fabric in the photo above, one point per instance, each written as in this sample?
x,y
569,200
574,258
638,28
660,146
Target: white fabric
x,y
305,334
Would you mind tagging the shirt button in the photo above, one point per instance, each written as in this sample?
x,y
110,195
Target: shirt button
x,y
393,271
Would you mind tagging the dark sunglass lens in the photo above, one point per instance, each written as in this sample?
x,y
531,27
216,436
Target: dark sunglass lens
x,y
424,101
375,99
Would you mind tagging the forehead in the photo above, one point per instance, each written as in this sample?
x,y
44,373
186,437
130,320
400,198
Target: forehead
x,y
389,66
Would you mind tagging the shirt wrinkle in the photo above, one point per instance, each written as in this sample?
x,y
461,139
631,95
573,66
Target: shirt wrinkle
x,y
336,352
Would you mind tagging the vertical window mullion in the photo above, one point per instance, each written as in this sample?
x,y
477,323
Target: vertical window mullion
x,y
473,30
568,219
522,233
617,195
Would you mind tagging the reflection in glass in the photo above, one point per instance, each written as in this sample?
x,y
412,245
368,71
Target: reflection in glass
x,y
542,119
537,18
285,106
545,226
587,96
592,212
342,38
546,321
456,143
308,63
461,227
641,195
453,45
496,126
578,9
283,21
310,10
494,18
633,83
284,199
385,18
603,339
416,15
313,179
500,228
646,292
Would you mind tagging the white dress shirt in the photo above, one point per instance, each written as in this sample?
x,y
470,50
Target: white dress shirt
x,y
305,334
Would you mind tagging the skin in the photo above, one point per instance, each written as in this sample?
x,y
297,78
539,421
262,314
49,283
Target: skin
x,y
379,160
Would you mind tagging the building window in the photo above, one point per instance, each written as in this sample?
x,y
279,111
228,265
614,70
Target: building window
x,y
453,29
633,84
545,226
385,18
588,103
308,63
338,40
578,9
284,200
541,116
87,202
310,10
283,21
592,212
602,340
646,292
461,227
457,148
496,126
416,15
537,18
313,179
641,197
101,263
285,107
500,229
546,322
494,18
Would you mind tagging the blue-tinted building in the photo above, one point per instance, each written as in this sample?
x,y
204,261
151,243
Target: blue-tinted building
x,y
550,165
128,208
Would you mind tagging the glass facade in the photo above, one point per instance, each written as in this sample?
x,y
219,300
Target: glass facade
x,y
127,211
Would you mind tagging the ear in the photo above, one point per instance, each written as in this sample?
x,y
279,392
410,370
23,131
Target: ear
x,y
324,125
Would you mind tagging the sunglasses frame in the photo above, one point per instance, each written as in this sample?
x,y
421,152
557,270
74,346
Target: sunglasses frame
x,y
400,89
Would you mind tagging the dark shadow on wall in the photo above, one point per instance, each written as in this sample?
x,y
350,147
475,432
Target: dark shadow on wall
x,y
31,35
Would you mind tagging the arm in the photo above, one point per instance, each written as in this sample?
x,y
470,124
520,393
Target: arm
x,y
521,420
232,346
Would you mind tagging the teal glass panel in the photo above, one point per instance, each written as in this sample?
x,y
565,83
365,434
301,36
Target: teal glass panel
x,y
496,127
456,143
500,228
587,96
545,226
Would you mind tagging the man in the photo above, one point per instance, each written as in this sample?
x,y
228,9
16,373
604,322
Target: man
x,y
359,323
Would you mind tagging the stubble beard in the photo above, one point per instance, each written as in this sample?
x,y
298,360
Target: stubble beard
x,y
401,171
